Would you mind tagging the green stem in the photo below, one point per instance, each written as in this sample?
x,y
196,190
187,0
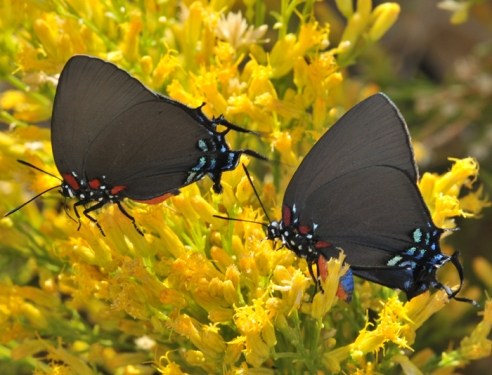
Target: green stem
x,y
315,342
18,84
259,13
308,8
294,336
9,119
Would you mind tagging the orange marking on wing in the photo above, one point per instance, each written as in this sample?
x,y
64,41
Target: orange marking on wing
x,y
155,200
322,269
95,184
71,181
304,229
321,244
286,215
117,189
341,293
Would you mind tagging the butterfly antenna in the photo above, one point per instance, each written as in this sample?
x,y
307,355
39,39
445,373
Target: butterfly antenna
x,y
30,200
38,169
256,193
245,221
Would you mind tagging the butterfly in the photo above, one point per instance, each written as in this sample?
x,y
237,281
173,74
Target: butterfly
x,y
356,191
113,138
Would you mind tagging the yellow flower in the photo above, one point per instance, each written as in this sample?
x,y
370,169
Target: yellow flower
x,y
441,193
286,51
205,338
389,327
254,323
172,368
477,345
23,107
166,65
382,18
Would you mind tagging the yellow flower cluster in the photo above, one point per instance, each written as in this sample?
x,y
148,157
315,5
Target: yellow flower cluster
x,y
195,294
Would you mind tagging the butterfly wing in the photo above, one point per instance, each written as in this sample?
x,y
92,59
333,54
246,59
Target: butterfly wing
x,y
372,214
91,93
159,156
357,187
371,133
108,126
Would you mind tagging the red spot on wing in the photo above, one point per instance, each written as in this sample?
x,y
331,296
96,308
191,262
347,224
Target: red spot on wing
x,y
286,215
117,189
304,229
322,269
71,181
321,244
95,184
155,200
341,293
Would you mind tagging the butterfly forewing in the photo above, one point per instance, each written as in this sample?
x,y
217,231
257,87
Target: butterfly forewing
x,y
138,162
371,133
91,93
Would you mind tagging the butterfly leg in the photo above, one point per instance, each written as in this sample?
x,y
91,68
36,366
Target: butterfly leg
x,y
130,217
215,177
94,220
315,279
79,203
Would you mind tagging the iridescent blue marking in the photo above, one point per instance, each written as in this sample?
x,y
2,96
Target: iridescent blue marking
x,y
212,164
214,144
433,246
427,238
393,261
294,208
410,251
407,284
434,233
417,235
201,164
408,264
223,149
437,257
315,226
421,254
190,178
230,160
202,145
